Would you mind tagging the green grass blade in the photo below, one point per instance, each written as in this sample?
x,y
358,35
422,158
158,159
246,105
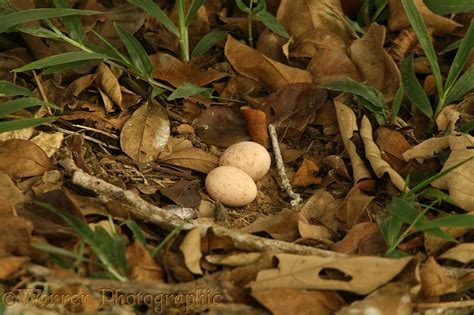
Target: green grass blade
x,y
241,5
135,50
65,66
38,31
208,41
413,88
452,220
18,124
189,89
60,59
9,107
443,7
195,5
423,36
72,23
113,53
155,11
9,89
370,94
137,232
467,127
397,103
272,23
59,251
463,85
438,195
465,49
9,20
455,45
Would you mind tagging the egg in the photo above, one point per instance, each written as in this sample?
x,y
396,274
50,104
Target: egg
x,y
250,157
231,186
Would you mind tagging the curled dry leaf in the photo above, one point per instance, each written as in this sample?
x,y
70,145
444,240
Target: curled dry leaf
x,y
372,152
434,281
464,253
282,301
252,64
391,299
460,181
347,126
304,176
256,125
108,83
78,86
191,249
403,44
23,158
337,163
146,133
293,106
175,72
376,67
398,20
392,144
313,272
222,126
194,159
142,266
234,259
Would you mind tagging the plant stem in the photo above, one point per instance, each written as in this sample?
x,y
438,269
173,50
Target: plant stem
x,y
183,31
439,107
249,23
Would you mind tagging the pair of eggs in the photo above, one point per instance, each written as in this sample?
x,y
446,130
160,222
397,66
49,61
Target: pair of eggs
x,y
233,182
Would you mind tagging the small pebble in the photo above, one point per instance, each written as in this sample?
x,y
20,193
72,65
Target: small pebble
x,y
231,186
250,157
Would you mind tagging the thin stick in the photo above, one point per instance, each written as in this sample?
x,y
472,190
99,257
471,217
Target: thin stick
x,y
285,182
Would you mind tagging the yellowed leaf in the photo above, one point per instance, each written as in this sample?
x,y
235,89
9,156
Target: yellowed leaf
x,y
108,83
233,259
194,159
434,281
49,142
463,253
312,272
191,249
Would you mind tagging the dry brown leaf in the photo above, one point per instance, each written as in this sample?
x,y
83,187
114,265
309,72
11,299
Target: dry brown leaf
x,y
283,301
234,259
252,64
392,144
353,274
222,126
109,84
463,253
191,249
375,65
184,193
146,133
256,125
194,159
271,45
332,65
351,241
142,266
434,243
337,163
355,205
10,265
391,299
49,142
403,44
372,152
9,191
281,226
23,158
304,176
434,280
321,207
176,72
398,20
347,126
78,86
460,181
108,104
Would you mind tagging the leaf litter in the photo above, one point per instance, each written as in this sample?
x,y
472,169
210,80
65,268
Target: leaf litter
x,y
157,229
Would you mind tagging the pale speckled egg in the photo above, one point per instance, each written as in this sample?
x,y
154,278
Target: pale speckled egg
x,y
250,157
231,186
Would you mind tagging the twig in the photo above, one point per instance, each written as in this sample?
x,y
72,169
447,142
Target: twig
x,y
285,182
148,212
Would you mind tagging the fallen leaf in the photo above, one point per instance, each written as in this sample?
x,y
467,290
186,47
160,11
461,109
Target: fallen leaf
x,y
434,281
234,259
78,86
321,207
281,226
305,174
191,249
176,72
252,64
293,106
10,265
391,299
403,44
282,301
463,253
194,159
49,142
108,83
146,133
9,191
352,240
353,274
398,20
392,144
329,64
222,126
23,158
372,152
184,193
347,126
337,163
376,67
142,266
256,125
355,205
